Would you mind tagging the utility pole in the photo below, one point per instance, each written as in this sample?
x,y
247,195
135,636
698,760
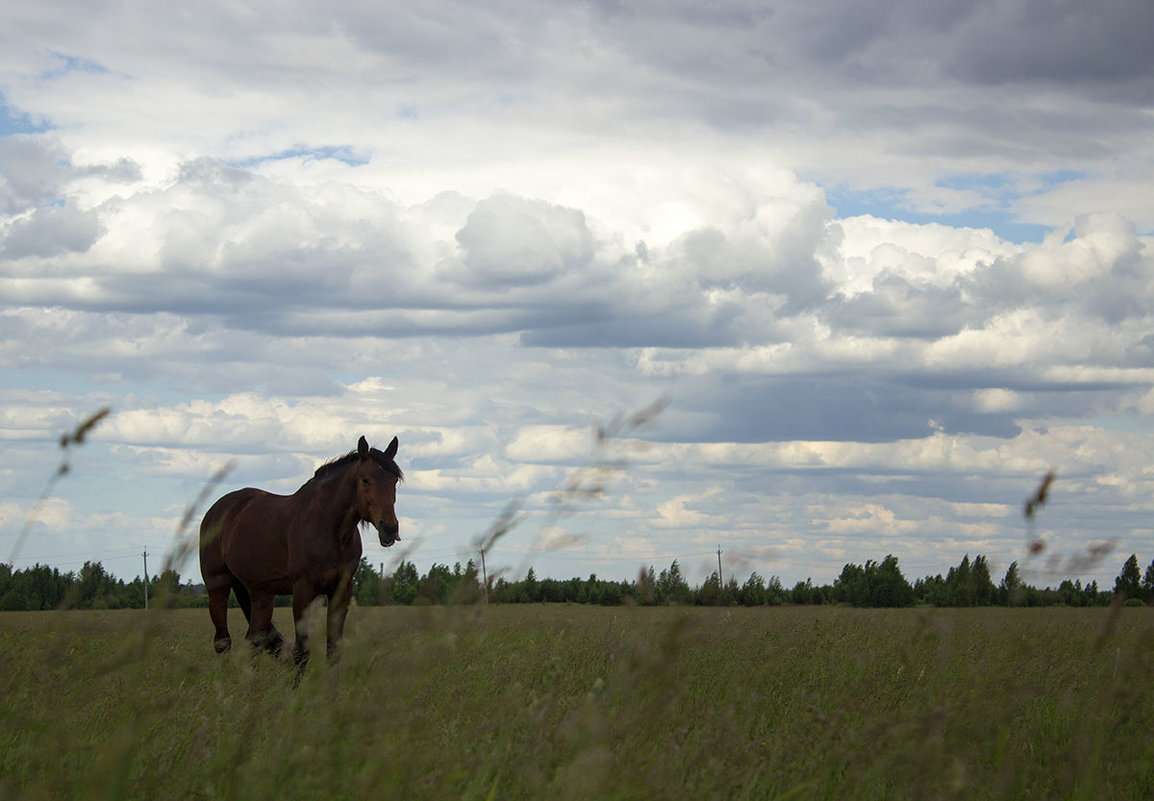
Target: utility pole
x,y
484,576
720,581
145,554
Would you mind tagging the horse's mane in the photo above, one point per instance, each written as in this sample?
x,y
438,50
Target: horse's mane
x,y
341,462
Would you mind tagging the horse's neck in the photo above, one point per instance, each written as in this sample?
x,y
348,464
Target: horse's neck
x,y
333,500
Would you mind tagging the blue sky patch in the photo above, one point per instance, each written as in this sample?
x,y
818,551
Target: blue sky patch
x,y
999,191
70,64
13,122
1062,177
893,204
342,153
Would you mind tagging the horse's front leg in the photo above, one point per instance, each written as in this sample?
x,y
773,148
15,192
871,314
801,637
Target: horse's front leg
x,y
338,610
303,597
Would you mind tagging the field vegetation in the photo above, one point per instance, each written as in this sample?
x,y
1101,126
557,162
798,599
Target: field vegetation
x,y
533,701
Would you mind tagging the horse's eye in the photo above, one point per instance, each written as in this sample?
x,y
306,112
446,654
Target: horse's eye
x,y
365,481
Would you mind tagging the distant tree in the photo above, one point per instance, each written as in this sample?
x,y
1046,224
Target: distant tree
x,y
1148,583
467,588
530,591
368,585
983,586
931,590
752,592
164,589
873,584
850,586
576,591
888,587
1010,590
436,585
401,587
609,593
1072,593
1129,582
775,593
594,591
709,594
648,592
730,592
959,584
96,589
1094,597
501,592
805,593
673,586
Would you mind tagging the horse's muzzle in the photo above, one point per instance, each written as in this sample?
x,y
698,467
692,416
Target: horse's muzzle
x,y
388,533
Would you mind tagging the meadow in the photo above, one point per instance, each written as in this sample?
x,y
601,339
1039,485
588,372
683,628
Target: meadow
x,y
563,701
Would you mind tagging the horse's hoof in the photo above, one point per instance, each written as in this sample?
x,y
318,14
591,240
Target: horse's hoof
x,y
223,645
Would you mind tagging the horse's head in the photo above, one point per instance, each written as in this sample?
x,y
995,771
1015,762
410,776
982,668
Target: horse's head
x,y
377,475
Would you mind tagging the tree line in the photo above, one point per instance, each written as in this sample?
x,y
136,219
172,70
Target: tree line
x,y
872,584
93,587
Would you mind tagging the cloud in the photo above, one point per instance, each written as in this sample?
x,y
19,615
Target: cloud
x,y
31,172
888,266
549,444
1068,45
512,240
51,231
684,512
793,326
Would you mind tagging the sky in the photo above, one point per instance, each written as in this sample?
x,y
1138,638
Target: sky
x,y
881,266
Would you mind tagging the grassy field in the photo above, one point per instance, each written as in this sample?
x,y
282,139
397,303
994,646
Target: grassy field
x,y
555,702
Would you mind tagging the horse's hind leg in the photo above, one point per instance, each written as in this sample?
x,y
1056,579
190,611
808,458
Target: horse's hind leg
x,y
217,578
262,634
273,638
218,610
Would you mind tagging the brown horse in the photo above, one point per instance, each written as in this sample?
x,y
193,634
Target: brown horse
x,y
258,545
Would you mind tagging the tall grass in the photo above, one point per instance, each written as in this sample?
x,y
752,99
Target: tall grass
x,y
542,701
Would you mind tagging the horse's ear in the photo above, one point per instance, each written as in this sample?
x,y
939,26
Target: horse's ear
x,y
391,451
363,448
